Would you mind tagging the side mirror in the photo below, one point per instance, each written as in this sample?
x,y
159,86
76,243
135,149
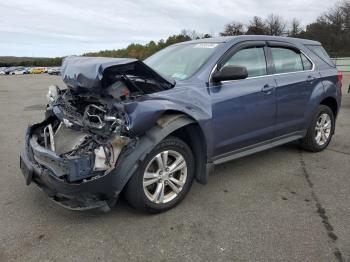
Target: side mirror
x,y
230,72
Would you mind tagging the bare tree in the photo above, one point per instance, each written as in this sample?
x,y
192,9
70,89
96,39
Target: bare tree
x,y
296,28
335,21
346,28
275,25
256,26
233,28
346,15
193,34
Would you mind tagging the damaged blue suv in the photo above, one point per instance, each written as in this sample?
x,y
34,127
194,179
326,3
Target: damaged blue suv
x,y
148,129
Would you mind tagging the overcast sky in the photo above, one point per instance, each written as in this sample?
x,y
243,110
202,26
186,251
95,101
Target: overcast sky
x,y
63,27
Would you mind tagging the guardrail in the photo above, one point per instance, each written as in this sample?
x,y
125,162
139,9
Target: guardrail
x,y
342,63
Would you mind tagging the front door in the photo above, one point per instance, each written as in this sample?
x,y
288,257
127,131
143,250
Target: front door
x,y
244,110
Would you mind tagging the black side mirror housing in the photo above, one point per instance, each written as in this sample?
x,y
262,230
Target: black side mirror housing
x,y
230,72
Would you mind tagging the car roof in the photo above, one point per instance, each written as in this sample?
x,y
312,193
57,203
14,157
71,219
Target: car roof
x,y
233,39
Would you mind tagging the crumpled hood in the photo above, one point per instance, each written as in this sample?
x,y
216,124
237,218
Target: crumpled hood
x,y
91,72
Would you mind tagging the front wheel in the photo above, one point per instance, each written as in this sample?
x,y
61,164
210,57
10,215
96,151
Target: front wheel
x,y
163,178
320,131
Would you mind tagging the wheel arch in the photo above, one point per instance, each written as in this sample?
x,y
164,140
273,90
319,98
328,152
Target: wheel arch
x,y
173,123
193,135
331,102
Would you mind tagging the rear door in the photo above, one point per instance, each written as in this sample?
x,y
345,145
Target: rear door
x,y
295,78
243,110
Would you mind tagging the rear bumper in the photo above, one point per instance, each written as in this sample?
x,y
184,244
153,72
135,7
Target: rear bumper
x,y
97,192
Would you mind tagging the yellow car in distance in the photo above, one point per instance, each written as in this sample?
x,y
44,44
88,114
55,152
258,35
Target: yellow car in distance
x,y
38,71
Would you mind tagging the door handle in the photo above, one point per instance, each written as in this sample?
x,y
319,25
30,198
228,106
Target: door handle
x,y
267,88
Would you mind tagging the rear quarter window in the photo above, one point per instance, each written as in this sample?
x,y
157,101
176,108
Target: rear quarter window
x,y
321,53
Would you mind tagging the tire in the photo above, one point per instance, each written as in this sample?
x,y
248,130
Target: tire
x,y
144,191
312,141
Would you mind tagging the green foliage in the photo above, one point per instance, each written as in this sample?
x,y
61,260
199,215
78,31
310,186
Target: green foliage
x,y
142,51
13,61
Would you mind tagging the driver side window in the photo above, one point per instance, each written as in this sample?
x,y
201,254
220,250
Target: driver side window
x,y
252,58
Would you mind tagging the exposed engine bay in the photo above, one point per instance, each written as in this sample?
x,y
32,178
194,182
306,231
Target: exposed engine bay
x,y
90,131
86,126
88,112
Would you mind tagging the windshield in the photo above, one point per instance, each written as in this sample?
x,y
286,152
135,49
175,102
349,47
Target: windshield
x,y
181,61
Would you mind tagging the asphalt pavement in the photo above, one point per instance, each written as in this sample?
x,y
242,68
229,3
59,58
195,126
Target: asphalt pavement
x,y
283,204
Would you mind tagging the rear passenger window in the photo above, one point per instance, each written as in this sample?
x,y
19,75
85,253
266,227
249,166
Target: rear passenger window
x,y
251,58
286,60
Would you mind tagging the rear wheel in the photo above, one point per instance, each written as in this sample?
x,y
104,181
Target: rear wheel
x,y
320,131
163,178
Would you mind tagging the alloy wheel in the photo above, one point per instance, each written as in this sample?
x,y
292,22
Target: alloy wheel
x,y
165,176
323,129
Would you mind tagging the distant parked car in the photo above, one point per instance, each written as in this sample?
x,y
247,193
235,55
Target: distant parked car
x,y
54,71
9,70
2,72
19,71
38,71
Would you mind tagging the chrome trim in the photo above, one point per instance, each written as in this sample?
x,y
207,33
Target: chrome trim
x,y
227,81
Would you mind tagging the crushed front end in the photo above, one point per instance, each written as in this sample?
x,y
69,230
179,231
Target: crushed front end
x,y
71,153
74,153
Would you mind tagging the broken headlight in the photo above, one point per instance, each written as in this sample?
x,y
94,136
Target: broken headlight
x,y
53,93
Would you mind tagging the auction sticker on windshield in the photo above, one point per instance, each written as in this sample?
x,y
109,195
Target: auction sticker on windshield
x,y
205,45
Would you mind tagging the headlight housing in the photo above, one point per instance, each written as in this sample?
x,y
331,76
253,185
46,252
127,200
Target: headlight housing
x,y
52,94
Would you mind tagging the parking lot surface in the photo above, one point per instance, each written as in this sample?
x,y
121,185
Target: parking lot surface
x,y
279,205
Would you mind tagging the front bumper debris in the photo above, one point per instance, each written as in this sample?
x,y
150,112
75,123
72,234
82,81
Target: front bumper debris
x,y
78,167
47,170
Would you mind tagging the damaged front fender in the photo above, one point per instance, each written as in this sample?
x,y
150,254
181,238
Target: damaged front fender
x,y
129,162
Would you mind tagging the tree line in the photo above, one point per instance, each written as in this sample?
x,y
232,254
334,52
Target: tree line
x,y
30,61
140,51
332,29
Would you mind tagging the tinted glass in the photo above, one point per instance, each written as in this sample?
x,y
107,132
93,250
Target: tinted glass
x,y
286,60
251,58
320,52
181,61
306,62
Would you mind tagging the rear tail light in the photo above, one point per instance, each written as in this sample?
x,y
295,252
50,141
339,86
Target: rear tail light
x,y
340,78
